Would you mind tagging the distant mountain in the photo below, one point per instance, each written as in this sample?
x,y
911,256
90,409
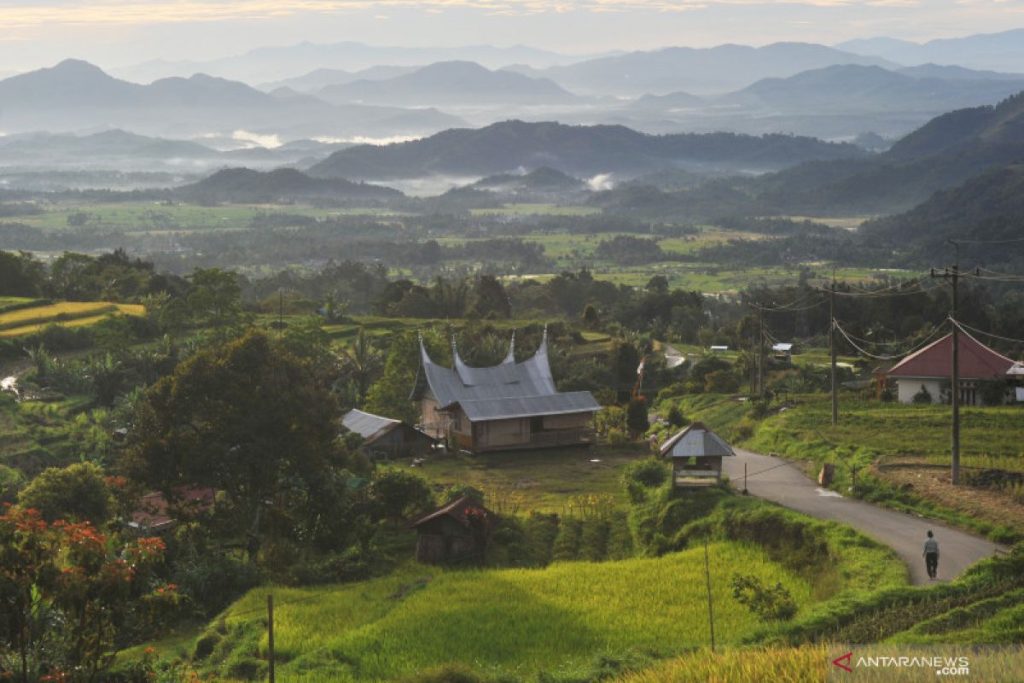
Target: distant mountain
x,y
321,78
996,51
577,150
851,89
942,154
544,178
76,95
958,73
696,70
450,83
675,100
986,210
245,186
288,61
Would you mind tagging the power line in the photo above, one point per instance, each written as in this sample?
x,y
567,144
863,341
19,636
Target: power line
x,y
964,327
876,356
900,342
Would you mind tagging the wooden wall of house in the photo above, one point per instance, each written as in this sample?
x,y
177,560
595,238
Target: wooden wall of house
x,y
432,420
571,421
501,433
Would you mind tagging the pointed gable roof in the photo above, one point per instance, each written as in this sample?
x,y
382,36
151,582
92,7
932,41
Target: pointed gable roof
x,y
977,361
506,390
696,441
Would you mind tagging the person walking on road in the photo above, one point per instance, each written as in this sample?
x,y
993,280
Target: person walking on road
x,y
931,555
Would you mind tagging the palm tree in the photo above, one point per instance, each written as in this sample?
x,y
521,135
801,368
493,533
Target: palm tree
x,y
361,362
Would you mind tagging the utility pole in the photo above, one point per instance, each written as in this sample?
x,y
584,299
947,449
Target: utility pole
x,y
953,275
711,609
761,354
832,348
270,636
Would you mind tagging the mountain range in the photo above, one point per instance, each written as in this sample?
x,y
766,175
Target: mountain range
x,y
996,51
450,83
288,61
75,96
577,150
700,71
246,186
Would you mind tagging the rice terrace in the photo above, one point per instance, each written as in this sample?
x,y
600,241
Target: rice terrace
x,y
432,342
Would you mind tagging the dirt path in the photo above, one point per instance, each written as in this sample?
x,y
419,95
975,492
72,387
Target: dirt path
x,y
783,482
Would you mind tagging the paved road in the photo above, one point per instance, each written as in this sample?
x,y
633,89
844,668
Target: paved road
x,y
783,482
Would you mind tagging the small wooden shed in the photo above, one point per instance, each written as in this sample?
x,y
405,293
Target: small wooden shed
x,y
384,437
455,533
696,454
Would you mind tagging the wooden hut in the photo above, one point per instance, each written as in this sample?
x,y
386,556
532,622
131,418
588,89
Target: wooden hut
x,y
455,533
385,438
696,454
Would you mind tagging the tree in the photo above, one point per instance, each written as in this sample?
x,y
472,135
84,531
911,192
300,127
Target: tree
x,y
77,492
400,495
215,298
360,363
491,299
246,417
20,274
636,416
68,594
389,395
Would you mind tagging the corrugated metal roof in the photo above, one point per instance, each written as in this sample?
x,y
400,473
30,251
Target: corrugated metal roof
x,y
530,406
508,389
366,425
977,361
696,441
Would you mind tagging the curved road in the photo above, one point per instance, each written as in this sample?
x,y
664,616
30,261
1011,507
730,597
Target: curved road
x,y
781,481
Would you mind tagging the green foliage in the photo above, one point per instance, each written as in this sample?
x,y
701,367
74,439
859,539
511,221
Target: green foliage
x,y
252,420
642,475
389,395
675,417
773,603
923,397
637,420
400,495
77,492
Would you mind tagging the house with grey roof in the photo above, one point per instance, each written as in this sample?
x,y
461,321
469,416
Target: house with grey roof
x,y
511,405
696,454
384,437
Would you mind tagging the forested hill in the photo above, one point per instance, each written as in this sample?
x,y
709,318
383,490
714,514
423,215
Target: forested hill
x,y
577,150
242,185
942,154
986,213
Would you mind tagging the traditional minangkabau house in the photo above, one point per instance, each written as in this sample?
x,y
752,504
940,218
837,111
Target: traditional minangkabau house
x,y
456,533
929,370
507,406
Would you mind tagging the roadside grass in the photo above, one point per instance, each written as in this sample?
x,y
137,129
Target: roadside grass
x,y
541,480
510,622
991,438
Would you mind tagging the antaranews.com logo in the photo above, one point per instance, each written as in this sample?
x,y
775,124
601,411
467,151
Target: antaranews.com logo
x,y
941,666
895,663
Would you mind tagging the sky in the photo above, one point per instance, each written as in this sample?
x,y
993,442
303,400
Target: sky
x,y
112,33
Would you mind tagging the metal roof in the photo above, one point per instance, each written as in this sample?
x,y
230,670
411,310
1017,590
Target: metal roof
x,y
696,441
977,361
530,406
367,425
506,390
782,346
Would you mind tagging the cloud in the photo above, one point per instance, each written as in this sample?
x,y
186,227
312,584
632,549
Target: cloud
x,y
24,13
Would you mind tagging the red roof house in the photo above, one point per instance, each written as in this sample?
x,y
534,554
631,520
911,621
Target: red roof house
x,y
930,369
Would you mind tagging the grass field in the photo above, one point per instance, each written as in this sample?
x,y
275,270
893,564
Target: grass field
x,y
537,210
539,480
15,323
511,622
163,217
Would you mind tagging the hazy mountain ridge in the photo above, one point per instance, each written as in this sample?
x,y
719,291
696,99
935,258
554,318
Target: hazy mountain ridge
x,y
444,83
246,186
575,150
1002,51
76,95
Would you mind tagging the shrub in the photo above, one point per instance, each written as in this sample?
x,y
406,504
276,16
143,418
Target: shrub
x,y
769,604
616,437
923,397
675,417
